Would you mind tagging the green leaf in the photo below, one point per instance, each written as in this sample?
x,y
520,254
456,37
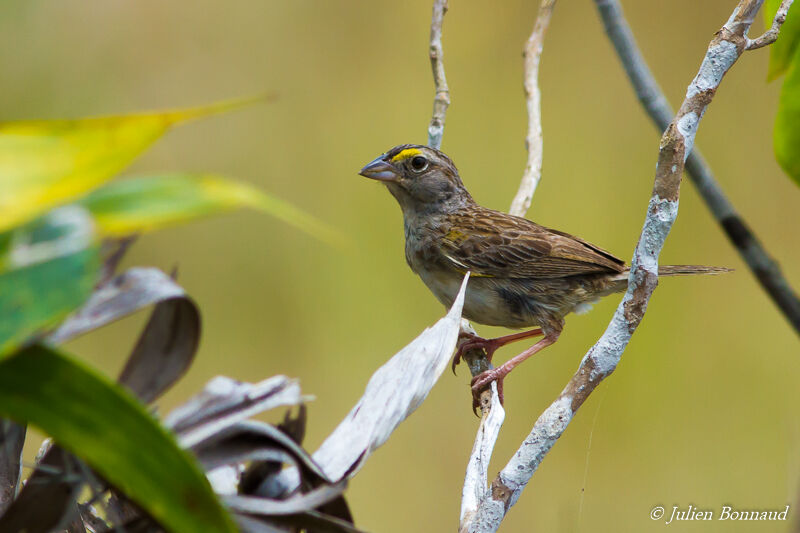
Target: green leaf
x,y
783,50
49,269
786,135
143,204
45,163
103,424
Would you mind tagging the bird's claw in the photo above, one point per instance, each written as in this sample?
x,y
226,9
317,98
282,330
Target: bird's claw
x,y
474,342
483,380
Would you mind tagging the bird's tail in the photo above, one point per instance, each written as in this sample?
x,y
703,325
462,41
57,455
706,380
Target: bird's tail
x,y
688,270
620,281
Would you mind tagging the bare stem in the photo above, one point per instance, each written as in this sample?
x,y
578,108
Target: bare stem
x,y
771,35
474,491
533,99
442,99
601,360
761,264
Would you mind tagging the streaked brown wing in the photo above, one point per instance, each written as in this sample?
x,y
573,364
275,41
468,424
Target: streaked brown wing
x,y
504,246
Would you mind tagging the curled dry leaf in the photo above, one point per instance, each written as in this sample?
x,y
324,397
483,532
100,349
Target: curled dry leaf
x,y
310,521
12,439
118,297
168,343
293,505
57,482
213,425
224,402
252,440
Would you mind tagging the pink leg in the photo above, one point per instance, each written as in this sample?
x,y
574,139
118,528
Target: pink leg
x,y
483,379
491,345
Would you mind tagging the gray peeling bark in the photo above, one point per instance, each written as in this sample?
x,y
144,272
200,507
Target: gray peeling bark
x,y
602,359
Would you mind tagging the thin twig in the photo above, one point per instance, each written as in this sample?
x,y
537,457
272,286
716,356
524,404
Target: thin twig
x,y
492,412
533,98
442,99
476,359
602,358
763,267
771,35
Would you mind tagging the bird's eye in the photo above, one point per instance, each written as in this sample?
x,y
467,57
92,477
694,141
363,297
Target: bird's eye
x,y
419,163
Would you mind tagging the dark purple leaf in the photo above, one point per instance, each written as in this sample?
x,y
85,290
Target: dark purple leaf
x,y
298,503
12,439
168,343
253,435
165,349
224,402
311,522
57,482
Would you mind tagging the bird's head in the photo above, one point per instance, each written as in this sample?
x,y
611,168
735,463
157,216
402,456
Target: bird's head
x,y
422,179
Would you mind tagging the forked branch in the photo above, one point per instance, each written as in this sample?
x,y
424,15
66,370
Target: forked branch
x,y
771,35
602,358
764,268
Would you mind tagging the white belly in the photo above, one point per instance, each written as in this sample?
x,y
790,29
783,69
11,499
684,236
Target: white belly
x,y
482,302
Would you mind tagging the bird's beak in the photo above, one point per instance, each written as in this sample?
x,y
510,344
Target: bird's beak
x,y
378,169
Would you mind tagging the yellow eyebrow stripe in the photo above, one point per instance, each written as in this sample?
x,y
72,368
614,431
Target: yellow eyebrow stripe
x,y
405,154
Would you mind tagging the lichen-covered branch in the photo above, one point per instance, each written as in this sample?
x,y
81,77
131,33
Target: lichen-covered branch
x,y
492,417
533,99
602,358
442,99
763,267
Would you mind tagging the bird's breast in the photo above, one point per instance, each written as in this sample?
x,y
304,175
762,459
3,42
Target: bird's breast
x,y
489,301
486,300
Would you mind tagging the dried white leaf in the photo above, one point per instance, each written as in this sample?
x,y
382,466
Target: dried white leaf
x,y
224,402
393,392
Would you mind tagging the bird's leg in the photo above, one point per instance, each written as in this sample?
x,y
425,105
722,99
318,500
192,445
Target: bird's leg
x,y
480,381
490,345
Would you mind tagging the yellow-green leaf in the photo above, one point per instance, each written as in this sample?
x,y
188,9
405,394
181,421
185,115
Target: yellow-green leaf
x,y
786,136
45,163
143,204
100,422
783,50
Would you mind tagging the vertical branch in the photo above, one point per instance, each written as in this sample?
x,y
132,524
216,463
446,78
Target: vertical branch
x,y
442,99
763,267
533,99
477,477
476,358
601,360
475,489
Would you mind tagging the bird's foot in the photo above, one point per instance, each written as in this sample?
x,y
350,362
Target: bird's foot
x,y
489,345
474,342
483,380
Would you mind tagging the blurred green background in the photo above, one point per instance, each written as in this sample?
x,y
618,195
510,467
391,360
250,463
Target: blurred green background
x,y
702,409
